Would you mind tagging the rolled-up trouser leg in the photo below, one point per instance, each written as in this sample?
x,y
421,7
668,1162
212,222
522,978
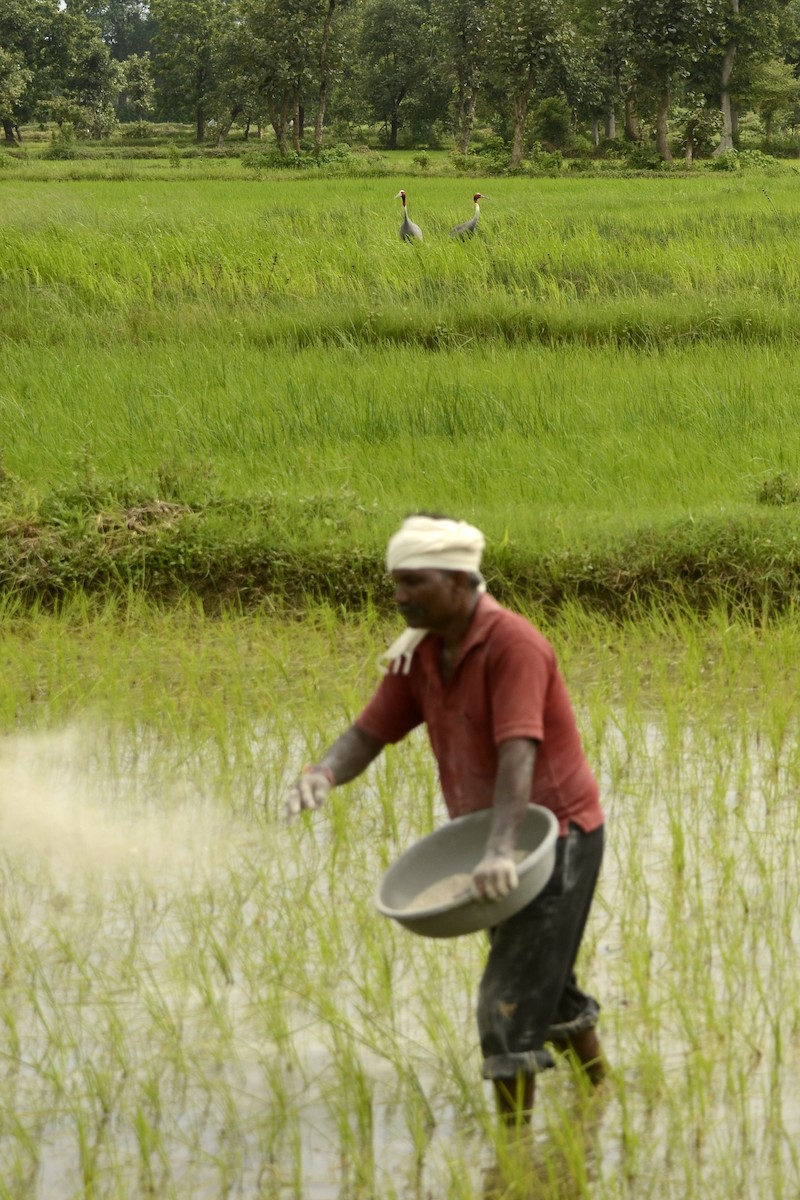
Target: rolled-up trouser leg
x,y
529,994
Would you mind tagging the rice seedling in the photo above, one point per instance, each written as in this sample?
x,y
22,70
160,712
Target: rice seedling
x,y
198,1000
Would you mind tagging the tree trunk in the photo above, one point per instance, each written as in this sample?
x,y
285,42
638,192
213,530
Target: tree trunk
x,y
319,123
726,107
690,128
200,124
324,76
465,120
727,136
296,125
8,130
277,119
520,114
393,128
226,126
595,131
632,131
469,120
662,138
611,121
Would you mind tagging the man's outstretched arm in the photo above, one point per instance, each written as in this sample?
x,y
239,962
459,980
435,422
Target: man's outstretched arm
x,y
349,755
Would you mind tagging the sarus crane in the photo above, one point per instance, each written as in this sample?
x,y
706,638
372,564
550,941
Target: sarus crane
x,y
408,230
467,228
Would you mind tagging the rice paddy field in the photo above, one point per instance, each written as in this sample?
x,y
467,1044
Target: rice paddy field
x,y
198,999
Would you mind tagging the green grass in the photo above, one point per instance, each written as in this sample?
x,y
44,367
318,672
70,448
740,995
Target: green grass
x,y
607,358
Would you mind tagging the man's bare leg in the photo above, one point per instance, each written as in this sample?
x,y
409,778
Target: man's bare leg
x,y
515,1099
588,1051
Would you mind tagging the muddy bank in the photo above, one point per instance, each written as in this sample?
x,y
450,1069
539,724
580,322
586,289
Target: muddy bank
x,y
247,553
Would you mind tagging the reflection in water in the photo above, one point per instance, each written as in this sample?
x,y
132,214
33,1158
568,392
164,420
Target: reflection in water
x,y
198,1002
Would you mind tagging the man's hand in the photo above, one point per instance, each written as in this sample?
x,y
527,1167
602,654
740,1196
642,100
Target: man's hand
x,y
310,791
495,876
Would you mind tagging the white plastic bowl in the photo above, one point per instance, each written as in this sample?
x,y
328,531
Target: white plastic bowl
x,y
458,847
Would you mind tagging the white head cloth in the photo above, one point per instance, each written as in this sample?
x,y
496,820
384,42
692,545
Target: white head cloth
x,y
425,543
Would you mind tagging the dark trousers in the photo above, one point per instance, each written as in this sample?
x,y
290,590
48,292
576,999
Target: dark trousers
x,y
529,994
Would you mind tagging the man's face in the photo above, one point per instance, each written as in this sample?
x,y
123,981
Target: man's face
x,y
427,599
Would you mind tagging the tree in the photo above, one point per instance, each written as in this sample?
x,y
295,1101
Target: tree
x,y
92,80
461,30
139,86
188,37
395,60
594,68
30,59
15,76
525,40
749,33
663,39
125,26
775,91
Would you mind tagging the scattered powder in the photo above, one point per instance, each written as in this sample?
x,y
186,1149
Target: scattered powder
x,y
58,803
450,889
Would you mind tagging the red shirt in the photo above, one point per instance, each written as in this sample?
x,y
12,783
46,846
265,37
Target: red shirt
x,y
505,684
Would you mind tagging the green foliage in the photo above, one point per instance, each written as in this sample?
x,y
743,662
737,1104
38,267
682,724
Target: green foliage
x,y
756,159
738,160
551,122
334,160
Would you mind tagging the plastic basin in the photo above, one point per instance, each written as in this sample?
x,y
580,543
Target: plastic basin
x,y
457,848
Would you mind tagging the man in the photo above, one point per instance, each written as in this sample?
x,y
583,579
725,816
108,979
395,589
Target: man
x,y
486,684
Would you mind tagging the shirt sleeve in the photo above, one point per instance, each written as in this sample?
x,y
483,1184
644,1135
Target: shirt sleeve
x,y
392,712
522,668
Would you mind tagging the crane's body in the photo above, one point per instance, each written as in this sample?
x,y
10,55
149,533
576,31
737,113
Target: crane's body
x,y
467,228
409,232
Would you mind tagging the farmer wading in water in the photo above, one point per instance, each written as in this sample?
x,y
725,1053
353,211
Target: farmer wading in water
x,y
486,684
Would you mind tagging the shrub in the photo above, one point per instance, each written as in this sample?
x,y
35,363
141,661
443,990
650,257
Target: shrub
x,y
757,159
468,163
645,158
62,144
778,490
545,160
727,161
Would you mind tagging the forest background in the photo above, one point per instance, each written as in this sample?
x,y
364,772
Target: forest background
x,y
644,80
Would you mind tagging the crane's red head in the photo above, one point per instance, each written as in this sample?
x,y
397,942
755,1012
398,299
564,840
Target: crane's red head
x,y
401,195
478,196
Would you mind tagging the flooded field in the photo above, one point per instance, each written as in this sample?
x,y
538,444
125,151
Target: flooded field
x,y
200,1001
